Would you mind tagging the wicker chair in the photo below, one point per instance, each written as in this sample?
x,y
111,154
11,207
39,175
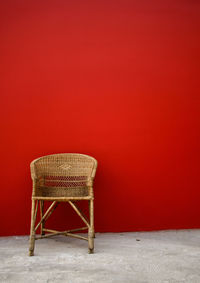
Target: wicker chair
x,y
65,177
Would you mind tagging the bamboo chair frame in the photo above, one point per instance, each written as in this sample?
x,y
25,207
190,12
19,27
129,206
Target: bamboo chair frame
x,y
63,177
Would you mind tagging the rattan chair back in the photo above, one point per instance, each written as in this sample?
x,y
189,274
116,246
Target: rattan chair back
x,y
63,175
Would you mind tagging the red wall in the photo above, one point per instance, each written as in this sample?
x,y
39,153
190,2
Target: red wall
x,y
118,80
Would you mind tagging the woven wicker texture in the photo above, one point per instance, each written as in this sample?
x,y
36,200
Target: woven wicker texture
x,y
63,175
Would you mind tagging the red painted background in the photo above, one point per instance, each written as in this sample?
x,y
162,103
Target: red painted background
x,y
118,80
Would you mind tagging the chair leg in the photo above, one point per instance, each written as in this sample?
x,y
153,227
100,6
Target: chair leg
x,y
41,214
32,232
91,228
93,218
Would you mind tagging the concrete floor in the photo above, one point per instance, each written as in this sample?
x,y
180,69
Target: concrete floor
x,y
165,256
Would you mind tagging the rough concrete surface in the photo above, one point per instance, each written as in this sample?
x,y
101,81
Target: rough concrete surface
x,y
164,256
